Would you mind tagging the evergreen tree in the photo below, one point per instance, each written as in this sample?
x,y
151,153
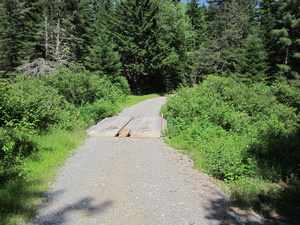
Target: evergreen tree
x,y
252,59
102,54
134,30
287,35
268,17
58,29
197,16
17,30
152,39
175,41
229,23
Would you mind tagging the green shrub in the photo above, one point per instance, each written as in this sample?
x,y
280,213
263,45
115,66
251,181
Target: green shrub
x,y
83,87
30,105
14,147
287,94
21,195
92,113
244,134
92,94
233,127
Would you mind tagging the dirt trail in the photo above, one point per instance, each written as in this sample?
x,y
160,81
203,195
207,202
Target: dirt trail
x,y
135,180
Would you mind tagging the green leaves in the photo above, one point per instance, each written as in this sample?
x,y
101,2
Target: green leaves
x,y
30,105
80,87
231,128
152,39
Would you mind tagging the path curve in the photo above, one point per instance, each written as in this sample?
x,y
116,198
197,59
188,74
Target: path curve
x,y
135,181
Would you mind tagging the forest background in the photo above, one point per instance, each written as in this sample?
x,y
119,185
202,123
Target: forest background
x,y
64,65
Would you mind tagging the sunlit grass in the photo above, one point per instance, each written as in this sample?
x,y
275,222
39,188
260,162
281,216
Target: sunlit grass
x,y
55,149
19,197
134,99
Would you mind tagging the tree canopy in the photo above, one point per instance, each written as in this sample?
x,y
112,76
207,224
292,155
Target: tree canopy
x,y
156,45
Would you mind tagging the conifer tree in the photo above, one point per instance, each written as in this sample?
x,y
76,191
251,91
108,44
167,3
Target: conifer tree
x,y
57,30
229,23
134,30
252,63
268,17
197,16
287,35
102,55
152,38
175,40
17,30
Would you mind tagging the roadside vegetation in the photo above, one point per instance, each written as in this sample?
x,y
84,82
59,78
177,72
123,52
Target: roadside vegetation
x,y
64,65
244,134
43,120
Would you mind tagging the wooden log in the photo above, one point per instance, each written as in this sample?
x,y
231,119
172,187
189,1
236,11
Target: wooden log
x,y
124,133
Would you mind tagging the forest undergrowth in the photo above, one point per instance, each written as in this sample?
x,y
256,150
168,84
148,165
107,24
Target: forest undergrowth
x,y
246,135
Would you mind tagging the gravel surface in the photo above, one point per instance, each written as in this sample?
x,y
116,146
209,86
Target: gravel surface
x,y
135,181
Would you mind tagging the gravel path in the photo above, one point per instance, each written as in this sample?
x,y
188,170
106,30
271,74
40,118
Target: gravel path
x,y
135,181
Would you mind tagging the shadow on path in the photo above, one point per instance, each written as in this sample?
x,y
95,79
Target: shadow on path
x,y
59,216
219,210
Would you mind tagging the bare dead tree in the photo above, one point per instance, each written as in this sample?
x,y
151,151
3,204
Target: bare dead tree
x,y
38,67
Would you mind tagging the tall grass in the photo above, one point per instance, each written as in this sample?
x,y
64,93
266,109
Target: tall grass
x,y
19,196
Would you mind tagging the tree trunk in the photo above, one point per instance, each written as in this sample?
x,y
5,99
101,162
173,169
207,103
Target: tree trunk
x,y
57,58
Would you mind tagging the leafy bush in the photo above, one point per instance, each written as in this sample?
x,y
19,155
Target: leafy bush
x,y
14,147
287,94
234,129
21,191
92,94
245,134
84,87
30,105
217,152
92,113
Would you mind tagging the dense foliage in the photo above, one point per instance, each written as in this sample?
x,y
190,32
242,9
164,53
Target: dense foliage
x,y
238,132
156,45
238,129
62,100
63,63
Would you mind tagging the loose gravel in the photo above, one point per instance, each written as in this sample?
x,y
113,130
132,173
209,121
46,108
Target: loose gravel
x,y
135,181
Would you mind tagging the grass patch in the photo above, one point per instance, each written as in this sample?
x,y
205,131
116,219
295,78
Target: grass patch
x,y
279,201
20,196
134,99
272,200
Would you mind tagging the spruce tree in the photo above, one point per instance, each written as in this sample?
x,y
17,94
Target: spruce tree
x,y
102,55
57,30
152,39
287,35
268,17
134,30
175,42
229,23
252,65
197,16
17,30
